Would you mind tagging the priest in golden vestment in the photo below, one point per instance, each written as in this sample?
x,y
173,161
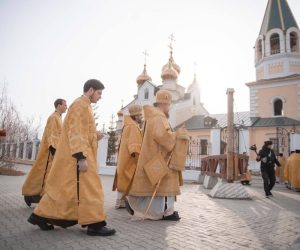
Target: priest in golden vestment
x,y
34,184
158,143
293,173
74,192
129,151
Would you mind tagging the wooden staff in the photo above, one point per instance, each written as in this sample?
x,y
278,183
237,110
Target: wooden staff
x,y
155,191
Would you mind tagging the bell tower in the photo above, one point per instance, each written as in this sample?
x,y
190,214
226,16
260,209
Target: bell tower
x,y
276,91
277,49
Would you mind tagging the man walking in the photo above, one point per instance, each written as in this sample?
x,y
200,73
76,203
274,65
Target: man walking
x,y
34,184
268,160
129,151
74,192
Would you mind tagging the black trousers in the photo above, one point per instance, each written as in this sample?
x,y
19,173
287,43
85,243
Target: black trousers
x,y
268,175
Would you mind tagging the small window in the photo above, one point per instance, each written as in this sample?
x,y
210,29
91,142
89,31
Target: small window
x,y
194,101
146,94
275,44
294,42
203,144
278,106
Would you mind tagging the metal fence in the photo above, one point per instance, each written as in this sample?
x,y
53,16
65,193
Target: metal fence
x,y
198,148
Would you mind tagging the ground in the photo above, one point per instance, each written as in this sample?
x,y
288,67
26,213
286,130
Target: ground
x,y
206,223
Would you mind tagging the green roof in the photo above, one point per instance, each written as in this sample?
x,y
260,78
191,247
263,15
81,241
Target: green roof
x,y
276,122
277,15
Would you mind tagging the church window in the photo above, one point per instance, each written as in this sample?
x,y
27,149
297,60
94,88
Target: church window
x,y
194,101
278,107
146,94
203,145
294,42
275,44
259,49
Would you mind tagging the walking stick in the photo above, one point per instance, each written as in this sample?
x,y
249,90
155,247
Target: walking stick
x,y
153,195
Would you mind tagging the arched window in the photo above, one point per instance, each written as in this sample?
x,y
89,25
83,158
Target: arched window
x,y
294,42
275,44
259,50
278,107
194,101
146,94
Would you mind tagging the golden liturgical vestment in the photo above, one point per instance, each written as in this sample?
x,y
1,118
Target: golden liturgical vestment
x,y
36,179
293,170
158,137
130,147
70,194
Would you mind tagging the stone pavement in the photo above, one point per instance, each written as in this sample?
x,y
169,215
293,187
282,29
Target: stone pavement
x,y
206,223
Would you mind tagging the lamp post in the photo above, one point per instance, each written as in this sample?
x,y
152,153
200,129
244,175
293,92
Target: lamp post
x,y
230,146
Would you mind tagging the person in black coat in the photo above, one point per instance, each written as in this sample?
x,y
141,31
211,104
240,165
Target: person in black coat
x,y
267,159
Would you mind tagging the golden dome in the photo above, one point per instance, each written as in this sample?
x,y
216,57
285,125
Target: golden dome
x,y
120,113
169,73
143,77
175,66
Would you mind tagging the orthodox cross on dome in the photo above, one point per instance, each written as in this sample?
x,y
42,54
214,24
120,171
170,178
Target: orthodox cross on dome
x,y
172,39
195,67
122,101
145,56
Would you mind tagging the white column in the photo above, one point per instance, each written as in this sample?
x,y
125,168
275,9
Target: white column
x,y
7,149
11,147
18,150
24,150
244,141
102,151
34,143
215,141
1,149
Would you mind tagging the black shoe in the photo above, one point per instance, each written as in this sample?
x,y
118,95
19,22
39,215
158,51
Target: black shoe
x,y
128,207
270,194
173,217
41,222
103,231
267,196
28,200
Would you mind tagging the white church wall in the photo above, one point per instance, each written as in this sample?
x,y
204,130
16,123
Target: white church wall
x,y
215,141
244,143
294,141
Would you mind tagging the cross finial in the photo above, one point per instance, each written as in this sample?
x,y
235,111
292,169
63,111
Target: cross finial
x,y
145,56
122,101
195,67
172,39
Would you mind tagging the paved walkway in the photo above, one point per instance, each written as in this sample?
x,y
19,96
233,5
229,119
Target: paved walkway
x,y
206,223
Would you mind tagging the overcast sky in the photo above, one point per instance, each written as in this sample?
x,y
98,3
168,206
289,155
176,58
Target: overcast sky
x,y
48,49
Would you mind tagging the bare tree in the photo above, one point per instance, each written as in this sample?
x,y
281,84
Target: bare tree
x,y
16,128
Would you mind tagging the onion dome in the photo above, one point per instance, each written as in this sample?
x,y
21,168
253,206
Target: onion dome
x,y
175,66
120,113
143,77
169,73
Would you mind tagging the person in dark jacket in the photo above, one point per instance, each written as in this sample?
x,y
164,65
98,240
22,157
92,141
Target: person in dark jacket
x,y
267,159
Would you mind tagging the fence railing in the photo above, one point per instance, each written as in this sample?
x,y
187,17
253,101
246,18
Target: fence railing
x,y
26,150
216,165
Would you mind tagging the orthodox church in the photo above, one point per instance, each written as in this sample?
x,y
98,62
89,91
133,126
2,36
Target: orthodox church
x,y
274,95
186,103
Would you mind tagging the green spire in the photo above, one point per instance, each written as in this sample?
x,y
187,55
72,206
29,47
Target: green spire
x,y
278,15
